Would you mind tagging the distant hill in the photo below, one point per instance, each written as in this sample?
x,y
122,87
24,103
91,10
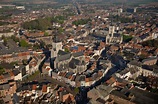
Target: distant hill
x,y
6,1
118,0
88,1
11,1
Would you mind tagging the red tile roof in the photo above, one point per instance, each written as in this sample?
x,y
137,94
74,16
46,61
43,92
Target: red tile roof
x,y
44,88
34,87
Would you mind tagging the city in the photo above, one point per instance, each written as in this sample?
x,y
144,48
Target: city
x,y
78,52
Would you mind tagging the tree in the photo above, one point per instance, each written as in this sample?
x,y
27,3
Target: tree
x,y
3,37
127,38
45,33
42,44
81,22
60,30
5,41
58,19
23,43
66,50
1,70
15,38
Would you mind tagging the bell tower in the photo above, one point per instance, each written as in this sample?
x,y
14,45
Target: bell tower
x,y
56,46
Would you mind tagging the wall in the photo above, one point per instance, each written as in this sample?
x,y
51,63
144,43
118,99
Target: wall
x,y
18,77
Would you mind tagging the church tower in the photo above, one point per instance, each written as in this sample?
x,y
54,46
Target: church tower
x,y
56,46
111,30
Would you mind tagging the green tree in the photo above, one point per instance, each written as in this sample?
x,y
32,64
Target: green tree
x,y
45,33
5,41
127,38
1,70
3,37
23,43
42,44
15,38
60,30
58,19
76,90
66,50
81,22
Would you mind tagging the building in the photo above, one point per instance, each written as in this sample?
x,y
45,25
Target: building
x,y
150,61
56,46
113,37
74,62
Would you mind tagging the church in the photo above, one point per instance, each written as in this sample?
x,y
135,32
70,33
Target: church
x,y
65,61
113,36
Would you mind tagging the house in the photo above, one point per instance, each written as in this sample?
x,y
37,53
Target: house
x,y
4,89
6,77
68,99
119,98
99,94
132,95
129,73
156,52
135,64
93,94
7,99
8,88
17,75
144,37
154,35
44,88
33,63
46,70
149,70
150,61
11,52
115,81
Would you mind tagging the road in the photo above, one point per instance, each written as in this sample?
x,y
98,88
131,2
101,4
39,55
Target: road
x,y
76,6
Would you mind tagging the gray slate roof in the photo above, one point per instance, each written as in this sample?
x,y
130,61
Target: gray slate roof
x,y
78,54
73,63
60,52
63,57
16,72
12,48
4,87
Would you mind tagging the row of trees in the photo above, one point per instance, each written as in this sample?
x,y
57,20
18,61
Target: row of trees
x,y
127,38
1,70
43,23
39,24
81,22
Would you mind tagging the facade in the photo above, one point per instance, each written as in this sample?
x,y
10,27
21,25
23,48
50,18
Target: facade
x,y
113,37
150,61
56,46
